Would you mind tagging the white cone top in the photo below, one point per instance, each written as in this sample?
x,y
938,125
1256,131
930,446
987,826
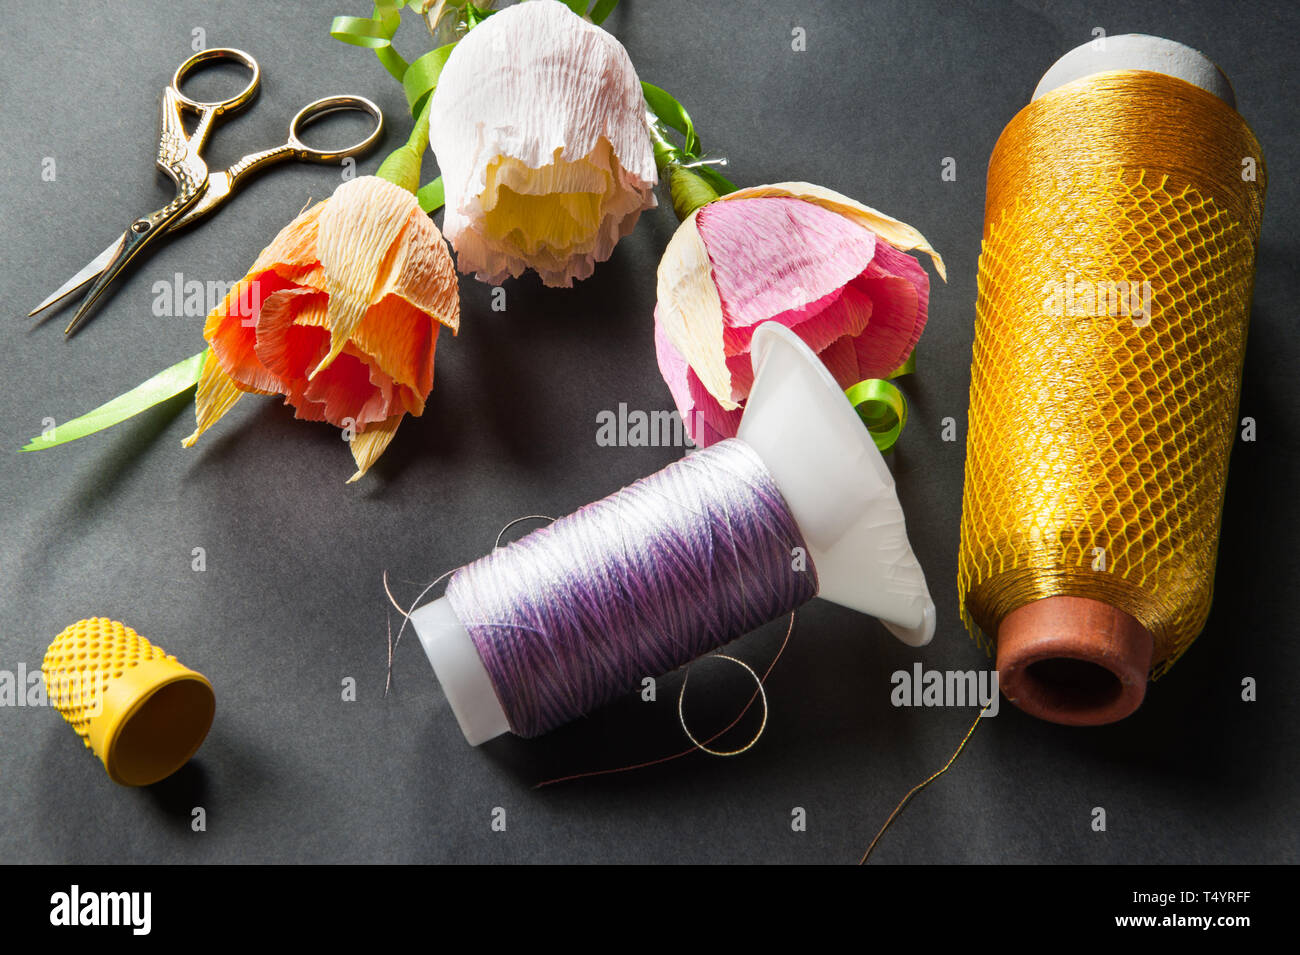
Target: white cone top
x,y
1137,51
836,485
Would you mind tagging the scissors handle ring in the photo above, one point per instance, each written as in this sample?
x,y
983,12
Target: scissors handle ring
x,y
218,53
332,104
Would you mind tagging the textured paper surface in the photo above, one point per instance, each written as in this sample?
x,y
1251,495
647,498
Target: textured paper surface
x,y
797,254
538,124
340,314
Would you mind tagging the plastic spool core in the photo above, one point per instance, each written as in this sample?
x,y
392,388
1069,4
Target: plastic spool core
x,y
1075,660
838,489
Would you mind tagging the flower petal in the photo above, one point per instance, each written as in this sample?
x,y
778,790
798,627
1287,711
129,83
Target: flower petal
x,y
897,321
400,339
364,245
689,309
351,387
841,359
292,253
705,420
231,330
898,234
371,443
217,394
291,337
776,255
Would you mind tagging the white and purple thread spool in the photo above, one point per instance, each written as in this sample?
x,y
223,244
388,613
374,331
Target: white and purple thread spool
x,y
834,496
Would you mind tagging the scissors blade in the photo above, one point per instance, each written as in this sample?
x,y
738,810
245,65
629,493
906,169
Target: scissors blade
x,y
137,235
87,274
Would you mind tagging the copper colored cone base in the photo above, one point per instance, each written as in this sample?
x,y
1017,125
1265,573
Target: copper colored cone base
x,y
1073,660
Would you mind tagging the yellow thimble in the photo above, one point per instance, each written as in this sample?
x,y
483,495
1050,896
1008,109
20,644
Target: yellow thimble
x,y
139,710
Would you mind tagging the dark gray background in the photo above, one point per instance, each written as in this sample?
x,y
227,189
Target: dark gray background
x,y
291,602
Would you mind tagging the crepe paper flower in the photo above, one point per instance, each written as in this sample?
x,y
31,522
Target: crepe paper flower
x,y
539,125
340,314
831,269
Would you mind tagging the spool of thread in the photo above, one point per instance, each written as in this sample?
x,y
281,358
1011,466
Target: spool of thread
x,y
799,504
1115,279
140,710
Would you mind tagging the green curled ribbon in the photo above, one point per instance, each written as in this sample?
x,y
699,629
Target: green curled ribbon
x,y
376,33
419,78
881,406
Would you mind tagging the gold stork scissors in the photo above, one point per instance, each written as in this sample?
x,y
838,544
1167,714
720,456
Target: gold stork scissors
x,y
199,191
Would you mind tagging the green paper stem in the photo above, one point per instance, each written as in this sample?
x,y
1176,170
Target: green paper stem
x,y
166,384
432,196
689,190
402,165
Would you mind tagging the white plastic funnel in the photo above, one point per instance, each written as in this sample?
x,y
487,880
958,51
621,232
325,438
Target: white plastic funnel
x,y
836,485
838,490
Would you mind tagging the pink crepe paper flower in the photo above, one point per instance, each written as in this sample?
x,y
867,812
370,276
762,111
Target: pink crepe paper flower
x,y
832,270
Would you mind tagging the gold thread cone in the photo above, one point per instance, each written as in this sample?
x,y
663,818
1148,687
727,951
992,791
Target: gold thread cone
x,y
1099,437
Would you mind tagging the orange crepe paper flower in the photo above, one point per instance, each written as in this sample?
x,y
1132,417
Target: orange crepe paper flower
x,y
340,314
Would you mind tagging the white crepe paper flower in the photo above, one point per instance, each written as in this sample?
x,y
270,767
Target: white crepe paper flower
x,y
539,126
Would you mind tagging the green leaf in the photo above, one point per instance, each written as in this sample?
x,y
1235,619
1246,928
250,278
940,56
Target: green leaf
x,y
672,113
431,196
421,77
166,384
476,15
601,10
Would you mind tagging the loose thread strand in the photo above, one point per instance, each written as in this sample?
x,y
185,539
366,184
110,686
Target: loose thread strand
x,y
693,749
406,618
921,785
